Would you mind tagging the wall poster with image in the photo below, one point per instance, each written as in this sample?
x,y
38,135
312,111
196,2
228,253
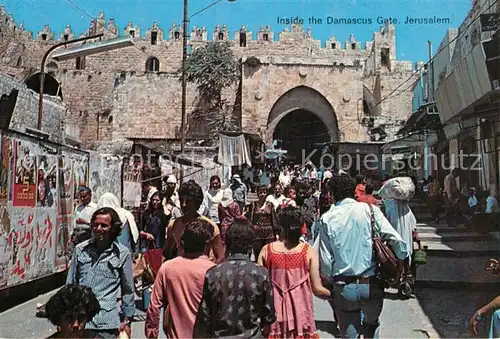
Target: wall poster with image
x,y
24,190
47,181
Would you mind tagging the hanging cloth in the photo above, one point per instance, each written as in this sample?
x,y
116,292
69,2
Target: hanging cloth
x,y
233,151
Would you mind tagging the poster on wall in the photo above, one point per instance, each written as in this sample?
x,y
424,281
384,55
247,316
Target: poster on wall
x,y
20,243
105,175
31,244
5,250
24,190
132,169
132,193
80,173
5,160
62,241
47,181
44,249
65,185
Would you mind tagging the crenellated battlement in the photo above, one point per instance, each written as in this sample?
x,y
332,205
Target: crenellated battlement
x,y
156,35
104,106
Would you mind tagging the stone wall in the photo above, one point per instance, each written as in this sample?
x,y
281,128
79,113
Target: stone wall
x,y
89,96
26,110
108,94
148,105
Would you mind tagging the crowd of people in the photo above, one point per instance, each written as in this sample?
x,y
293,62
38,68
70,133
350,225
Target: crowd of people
x,y
459,204
234,267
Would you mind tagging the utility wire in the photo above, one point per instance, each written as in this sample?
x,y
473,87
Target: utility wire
x,y
430,60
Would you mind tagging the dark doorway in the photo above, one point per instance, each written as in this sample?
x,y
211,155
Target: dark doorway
x,y
153,65
51,85
300,133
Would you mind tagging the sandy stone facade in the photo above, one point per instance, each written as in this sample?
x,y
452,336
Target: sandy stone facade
x,y
135,92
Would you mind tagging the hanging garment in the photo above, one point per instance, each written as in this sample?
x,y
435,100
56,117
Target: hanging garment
x,y
233,151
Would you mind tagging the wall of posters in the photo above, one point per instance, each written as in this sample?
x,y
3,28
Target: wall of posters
x,y
37,187
39,182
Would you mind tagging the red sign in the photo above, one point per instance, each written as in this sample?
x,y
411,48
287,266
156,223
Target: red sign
x,y
24,195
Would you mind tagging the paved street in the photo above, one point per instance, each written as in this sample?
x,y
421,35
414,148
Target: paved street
x,y
400,319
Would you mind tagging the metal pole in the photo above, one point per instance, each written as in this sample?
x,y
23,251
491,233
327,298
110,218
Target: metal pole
x,y
98,116
42,72
430,98
427,165
430,73
40,98
184,59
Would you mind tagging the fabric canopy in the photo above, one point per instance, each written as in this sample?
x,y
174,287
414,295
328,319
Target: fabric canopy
x,y
234,151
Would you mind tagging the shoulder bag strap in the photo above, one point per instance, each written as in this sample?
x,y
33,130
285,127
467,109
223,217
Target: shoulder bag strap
x,y
372,220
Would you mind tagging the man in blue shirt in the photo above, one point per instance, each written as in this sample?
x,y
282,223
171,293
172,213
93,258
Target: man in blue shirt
x,y
105,265
346,256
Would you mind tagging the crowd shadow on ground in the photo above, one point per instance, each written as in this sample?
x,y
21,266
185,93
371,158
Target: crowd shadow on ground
x,y
329,327
451,310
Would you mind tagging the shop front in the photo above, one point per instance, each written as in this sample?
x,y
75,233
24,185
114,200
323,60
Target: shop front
x,y
405,156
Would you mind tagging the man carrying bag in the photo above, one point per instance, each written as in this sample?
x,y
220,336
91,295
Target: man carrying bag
x,y
356,247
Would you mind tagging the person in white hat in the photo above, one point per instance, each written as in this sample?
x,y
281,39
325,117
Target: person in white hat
x,y
239,191
171,203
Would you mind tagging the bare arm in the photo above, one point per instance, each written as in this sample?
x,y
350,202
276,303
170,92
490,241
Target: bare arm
x,y
317,287
158,300
262,256
490,307
485,310
169,243
218,249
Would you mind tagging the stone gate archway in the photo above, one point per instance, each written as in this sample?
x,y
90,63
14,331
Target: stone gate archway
x,y
302,119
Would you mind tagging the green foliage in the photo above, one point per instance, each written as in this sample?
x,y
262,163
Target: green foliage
x,y
213,67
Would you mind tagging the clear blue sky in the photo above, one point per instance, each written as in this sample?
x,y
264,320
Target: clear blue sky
x,y
411,39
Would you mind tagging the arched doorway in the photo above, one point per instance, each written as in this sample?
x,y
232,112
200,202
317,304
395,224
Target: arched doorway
x,y
51,85
153,65
302,133
303,122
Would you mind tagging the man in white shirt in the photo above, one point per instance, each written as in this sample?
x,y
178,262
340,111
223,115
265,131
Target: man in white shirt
x,y
83,214
346,256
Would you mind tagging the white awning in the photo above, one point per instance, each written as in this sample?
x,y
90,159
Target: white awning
x,y
467,83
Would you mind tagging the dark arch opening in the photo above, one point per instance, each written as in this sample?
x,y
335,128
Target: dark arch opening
x,y
51,85
366,108
153,65
302,132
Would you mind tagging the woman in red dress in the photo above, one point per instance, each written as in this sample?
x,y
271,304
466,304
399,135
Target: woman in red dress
x,y
294,270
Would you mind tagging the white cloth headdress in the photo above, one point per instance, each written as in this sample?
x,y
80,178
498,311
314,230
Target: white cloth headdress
x,y
110,200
